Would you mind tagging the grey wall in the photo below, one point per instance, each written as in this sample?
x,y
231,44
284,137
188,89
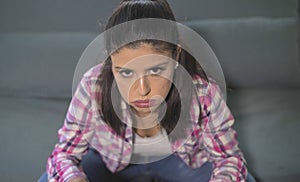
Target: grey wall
x,y
42,41
82,16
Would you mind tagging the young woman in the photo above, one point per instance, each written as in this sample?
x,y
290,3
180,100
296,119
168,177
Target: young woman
x,y
122,122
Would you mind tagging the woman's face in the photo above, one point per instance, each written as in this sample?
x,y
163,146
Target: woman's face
x,y
143,76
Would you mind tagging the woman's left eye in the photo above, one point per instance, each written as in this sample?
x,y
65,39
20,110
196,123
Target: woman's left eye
x,y
155,70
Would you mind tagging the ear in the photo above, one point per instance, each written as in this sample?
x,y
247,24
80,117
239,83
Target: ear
x,y
178,50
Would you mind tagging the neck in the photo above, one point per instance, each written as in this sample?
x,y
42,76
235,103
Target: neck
x,y
147,132
146,126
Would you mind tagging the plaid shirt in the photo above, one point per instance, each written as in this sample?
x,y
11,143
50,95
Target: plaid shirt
x,y
214,141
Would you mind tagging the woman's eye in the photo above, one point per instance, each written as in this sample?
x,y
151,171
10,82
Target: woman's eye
x,y
155,70
126,73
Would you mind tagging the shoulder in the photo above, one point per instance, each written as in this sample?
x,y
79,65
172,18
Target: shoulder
x,y
200,82
90,80
209,93
88,88
206,87
93,72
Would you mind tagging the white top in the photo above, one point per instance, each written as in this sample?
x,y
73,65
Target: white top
x,y
150,149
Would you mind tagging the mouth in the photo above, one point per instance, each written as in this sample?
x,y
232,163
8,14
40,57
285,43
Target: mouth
x,y
144,103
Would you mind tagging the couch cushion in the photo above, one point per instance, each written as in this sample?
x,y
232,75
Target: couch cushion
x,y
268,125
28,133
209,9
40,64
254,52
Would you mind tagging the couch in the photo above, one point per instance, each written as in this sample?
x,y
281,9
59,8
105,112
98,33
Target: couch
x,y
256,42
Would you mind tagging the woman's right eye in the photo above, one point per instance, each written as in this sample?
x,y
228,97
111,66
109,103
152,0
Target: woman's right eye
x,y
126,73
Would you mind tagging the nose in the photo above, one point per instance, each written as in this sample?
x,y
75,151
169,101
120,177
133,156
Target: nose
x,y
143,86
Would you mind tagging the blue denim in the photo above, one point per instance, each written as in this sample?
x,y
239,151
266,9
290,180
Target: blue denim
x,y
169,169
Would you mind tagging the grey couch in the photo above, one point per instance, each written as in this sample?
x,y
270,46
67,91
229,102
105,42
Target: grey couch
x,y
256,42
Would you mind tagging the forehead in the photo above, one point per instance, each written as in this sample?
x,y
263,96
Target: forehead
x,y
144,54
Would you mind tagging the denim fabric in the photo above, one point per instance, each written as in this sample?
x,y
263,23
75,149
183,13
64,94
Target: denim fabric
x,y
170,169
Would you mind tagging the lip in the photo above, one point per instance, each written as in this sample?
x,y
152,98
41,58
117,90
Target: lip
x,y
144,103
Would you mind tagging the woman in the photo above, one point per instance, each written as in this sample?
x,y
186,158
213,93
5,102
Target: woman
x,y
135,115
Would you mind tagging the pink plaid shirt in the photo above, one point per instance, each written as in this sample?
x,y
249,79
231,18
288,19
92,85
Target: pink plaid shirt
x,y
214,141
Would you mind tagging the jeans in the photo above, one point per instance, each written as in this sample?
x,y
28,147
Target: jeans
x,y
169,169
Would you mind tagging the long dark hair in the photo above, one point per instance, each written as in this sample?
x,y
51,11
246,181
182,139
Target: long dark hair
x,y
138,9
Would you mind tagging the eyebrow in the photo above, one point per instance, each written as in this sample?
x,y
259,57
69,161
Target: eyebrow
x,y
121,68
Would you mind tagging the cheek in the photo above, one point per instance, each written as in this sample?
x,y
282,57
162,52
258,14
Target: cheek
x,y
122,86
162,87
124,89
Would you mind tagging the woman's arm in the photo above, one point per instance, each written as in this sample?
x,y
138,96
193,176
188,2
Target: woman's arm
x,y
220,139
64,162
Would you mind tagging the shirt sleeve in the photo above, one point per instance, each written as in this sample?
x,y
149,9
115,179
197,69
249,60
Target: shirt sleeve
x,y
220,139
64,162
